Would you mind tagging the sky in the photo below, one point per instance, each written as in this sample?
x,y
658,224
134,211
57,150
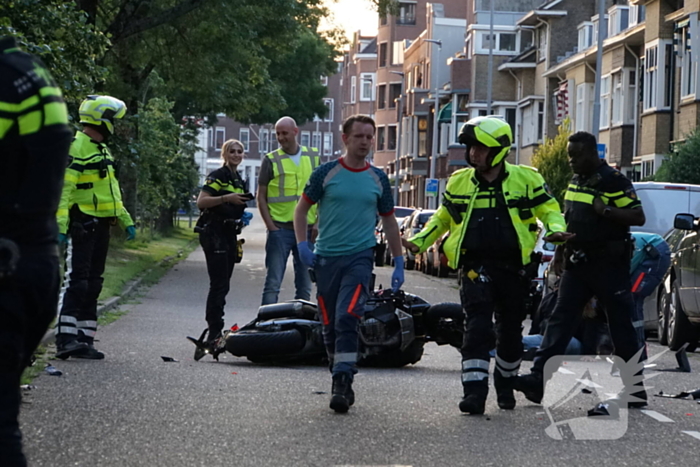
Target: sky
x,y
353,15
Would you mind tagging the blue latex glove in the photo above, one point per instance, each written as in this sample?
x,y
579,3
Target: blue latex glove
x,y
130,232
397,276
246,218
62,239
306,254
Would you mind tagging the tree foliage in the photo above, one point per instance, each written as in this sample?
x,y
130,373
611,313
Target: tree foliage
x,y
254,60
683,165
552,161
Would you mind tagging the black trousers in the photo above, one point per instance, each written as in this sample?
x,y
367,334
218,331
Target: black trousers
x,y
221,252
498,292
85,264
27,306
608,279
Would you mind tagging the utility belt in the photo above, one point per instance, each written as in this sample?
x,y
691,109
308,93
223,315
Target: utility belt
x,y
209,223
595,251
480,268
82,224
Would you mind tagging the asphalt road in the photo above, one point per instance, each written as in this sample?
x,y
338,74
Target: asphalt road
x,y
133,409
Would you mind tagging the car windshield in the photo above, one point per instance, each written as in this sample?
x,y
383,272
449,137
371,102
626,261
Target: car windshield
x,y
402,212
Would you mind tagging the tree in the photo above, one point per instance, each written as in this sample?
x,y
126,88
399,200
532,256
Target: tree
x,y
682,166
552,161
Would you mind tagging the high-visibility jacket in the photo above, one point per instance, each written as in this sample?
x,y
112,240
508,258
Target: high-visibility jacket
x,y
288,182
91,184
526,196
34,141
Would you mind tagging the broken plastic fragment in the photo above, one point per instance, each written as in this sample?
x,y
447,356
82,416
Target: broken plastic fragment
x,y
169,359
53,371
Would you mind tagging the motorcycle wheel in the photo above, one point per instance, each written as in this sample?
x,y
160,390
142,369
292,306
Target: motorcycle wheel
x,y
264,344
444,323
395,358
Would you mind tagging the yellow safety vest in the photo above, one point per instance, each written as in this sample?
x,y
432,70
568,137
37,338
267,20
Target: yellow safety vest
x,y
91,184
527,199
288,182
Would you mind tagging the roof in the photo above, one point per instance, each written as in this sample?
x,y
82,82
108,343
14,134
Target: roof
x,y
532,18
370,48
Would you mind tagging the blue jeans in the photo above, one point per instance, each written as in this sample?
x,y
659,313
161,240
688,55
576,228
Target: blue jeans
x,y
343,289
645,279
535,340
277,248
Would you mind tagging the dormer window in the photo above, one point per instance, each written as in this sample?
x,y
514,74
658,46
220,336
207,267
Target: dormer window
x,y
637,14
618,19
585,35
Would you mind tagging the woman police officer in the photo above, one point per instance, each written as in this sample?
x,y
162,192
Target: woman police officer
x,y
222,201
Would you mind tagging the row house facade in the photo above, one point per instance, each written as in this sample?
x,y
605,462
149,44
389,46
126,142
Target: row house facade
x,y
321,133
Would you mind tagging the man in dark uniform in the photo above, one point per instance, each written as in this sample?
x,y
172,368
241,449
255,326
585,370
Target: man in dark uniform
x,y
601,205
34,142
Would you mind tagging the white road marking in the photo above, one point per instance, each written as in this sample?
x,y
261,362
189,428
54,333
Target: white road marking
x,y
694,434
657,416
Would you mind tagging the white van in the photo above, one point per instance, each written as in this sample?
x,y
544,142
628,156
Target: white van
x,y
662,201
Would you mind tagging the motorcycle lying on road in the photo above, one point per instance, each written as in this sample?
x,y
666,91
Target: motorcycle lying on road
x,y
392,332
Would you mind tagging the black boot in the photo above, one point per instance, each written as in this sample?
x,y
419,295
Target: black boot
x,y
532,386
504,390
91,353
341,391
474,400
70,348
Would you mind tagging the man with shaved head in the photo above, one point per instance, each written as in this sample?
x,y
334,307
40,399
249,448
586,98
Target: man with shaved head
x,y
283,175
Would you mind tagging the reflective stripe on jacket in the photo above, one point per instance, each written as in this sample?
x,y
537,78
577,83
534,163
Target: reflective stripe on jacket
x,y
288,182
90,183
525,194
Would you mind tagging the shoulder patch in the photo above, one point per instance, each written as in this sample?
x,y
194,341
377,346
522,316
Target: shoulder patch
x,y
630,193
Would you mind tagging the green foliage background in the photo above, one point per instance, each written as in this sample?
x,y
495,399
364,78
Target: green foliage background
x,y
254,60
682,166
552,161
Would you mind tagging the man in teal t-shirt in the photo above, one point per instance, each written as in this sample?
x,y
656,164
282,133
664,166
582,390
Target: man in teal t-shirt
x,y
349,193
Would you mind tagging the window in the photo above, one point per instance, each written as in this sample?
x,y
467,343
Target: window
x,y
585,35
329,113
273,141
618,19
657,70
637,14
394,94
605,102
264,144
688,68
327,143
617,116
422,137
220,137
540,120
381,96
510,118
584,106
244,137
353,88
316,139
397,52
305,138
595,28
391,138
505,43
380,138
383,54
366,87
647,168
407,13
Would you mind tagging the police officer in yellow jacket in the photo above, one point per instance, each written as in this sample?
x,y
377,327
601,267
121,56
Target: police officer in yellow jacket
x,y
283,176
90,203
34,141
491,211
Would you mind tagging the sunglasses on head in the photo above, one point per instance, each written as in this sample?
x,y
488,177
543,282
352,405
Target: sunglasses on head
x,y
237,151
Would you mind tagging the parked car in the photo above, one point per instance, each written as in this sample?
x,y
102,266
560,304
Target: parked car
x,y
411,226
656,199
382,254
678,298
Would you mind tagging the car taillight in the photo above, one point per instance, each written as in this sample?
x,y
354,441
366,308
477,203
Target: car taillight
x,y
546,258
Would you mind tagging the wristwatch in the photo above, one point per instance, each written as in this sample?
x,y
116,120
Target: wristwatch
x,y
607,211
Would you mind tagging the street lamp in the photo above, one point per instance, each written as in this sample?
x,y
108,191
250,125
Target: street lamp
x,y
433,157
398,143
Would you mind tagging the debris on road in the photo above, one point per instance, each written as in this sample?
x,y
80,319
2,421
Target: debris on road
x,y
52,370
169,359
682,395
27,387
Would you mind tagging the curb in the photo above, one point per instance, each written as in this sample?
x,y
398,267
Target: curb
x,y
113,302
